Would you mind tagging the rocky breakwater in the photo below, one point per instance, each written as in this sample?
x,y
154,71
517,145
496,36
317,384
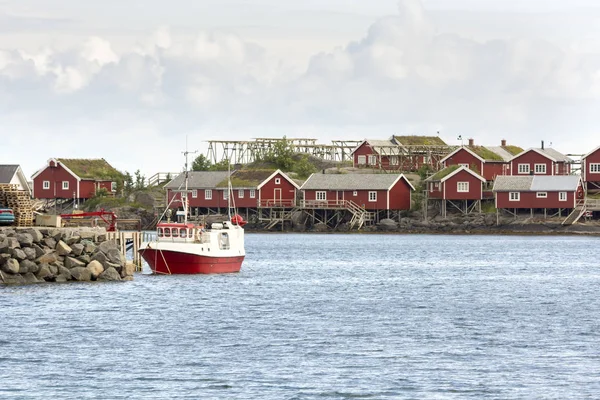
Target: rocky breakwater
x,y
34,255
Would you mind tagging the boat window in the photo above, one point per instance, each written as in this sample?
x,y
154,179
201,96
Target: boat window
x,y
182,232
190,233
167,232
224,241
159,232
175,232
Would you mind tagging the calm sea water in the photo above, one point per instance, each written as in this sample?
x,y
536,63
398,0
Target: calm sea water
x,y
322,317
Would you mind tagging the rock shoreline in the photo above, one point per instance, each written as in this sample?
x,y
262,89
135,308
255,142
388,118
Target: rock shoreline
x,y
35,255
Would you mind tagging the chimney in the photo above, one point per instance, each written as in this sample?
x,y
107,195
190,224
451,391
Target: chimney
x,y
503,143
471,142
542,145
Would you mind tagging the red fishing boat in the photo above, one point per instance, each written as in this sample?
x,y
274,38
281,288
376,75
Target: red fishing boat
x,y
186,248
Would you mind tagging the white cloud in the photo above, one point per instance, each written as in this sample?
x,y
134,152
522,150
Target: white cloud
x,y
405,75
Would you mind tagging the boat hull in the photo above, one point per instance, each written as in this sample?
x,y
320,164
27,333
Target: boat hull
x,y
174,262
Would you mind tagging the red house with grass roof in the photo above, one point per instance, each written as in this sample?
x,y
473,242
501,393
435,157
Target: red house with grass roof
x,y
70,178
400,153
457,185
487,161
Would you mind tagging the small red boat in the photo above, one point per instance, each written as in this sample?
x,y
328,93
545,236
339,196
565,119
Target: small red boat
x,y
185,248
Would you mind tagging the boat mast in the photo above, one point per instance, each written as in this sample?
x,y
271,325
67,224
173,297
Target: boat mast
x,y
185,193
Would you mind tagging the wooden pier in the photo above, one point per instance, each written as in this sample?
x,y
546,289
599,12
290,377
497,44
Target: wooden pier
x,y
129,240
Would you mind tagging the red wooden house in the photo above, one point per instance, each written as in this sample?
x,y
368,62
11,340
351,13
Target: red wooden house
x,y
208,190
540,161
459,186
400,153
538,192
488,161
590,169
374,192
63,178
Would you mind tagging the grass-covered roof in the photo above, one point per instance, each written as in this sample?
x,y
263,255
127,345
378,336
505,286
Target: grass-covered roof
x,y
514,150
247,178
415,140
97,169
443,173
485,153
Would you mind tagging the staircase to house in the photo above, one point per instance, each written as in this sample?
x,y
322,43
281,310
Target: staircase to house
x,y
580,209
277,216
359,215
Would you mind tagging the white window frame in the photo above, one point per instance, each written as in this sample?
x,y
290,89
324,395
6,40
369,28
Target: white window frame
x,y
562,196
541,195
514,196
207,194
362,160
394,160
464,165
372,197
226,194
194,193
594,168
321,195
240,193
539,169
462,187
355,193
113,186
278,181
46,185
556,169
65,185
523,169
252,193
372,159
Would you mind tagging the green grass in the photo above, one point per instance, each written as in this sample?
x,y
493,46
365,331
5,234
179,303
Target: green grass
x,y
444,172
485,153
415,140
514,150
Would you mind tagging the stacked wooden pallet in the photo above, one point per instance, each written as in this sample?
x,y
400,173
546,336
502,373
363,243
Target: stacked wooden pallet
x,y
19,201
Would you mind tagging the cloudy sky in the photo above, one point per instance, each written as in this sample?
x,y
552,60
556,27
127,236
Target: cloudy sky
x,y
130,80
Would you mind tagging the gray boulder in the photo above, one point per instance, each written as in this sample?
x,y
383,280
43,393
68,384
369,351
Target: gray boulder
x,y
17,253
49,242
11,279
89,246
48,258
105,247
44,272
95,268
63,272
77,249
73,239
11,266
30,253
71,263
110,274
62,248
36,235
25,239
27,266
38,251
30,278
81,274
4,258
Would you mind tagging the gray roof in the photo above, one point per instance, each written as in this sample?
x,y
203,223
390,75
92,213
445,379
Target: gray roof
x,y
557,155
506,156
536,183
350,181
198,180
7,172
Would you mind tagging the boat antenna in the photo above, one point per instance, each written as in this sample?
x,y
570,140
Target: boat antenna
x,y
185,193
